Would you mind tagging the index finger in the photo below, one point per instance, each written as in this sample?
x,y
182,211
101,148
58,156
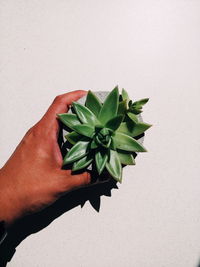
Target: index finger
x,y
61,104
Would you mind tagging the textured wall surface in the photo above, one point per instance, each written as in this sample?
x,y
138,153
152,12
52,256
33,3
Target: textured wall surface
x,y
149,47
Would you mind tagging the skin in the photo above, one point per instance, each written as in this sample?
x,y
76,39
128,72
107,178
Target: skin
x,y
32,178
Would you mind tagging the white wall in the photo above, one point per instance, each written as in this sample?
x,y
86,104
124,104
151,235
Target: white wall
x,y
149,47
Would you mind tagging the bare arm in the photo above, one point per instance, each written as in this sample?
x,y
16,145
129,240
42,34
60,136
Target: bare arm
x,y
32,178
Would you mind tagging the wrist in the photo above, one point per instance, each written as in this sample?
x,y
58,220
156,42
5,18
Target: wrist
x,y
9,206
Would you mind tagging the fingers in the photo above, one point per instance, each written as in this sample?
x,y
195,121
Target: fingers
x,y
61,105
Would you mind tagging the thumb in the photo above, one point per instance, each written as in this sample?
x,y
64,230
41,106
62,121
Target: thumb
x,y
61,104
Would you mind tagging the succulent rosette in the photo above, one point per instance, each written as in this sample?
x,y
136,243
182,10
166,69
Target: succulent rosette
x,y
104,134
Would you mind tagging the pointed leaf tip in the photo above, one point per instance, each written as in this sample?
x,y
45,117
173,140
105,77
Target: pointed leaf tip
x,y
110,106
127,143
84,114
76,152
93,103
114,167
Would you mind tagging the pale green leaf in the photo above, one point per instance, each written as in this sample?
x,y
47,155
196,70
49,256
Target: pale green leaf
x,y
127,143
126,158
93,103
125,95
133,129
132,116
69,119
141,102
76,152
114,167
82,163
101,158
84,114
110,106
140,128
84,129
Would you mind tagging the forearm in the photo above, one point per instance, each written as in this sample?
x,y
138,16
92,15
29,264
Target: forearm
x,y
9,206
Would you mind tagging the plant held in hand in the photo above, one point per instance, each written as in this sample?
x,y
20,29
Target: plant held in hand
x,y
104,133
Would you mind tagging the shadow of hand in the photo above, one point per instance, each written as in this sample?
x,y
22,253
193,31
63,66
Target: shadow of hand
x,y
36,222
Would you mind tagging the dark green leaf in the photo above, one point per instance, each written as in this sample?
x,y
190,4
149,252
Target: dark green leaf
x,y
84,129
110,106
127,143
93,144
123,128
93,103
115,122
101,158
136,107
73,137
122,108
132,116
82,163
126,158
69,119
76,152
84,114
101,143
114,167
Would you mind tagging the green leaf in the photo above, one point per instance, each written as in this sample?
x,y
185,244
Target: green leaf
x,y
127,143
122,108
82,163
84,129
140,128
132,116
93,103
76,152
125,95
114,123
110,106
93,144
73,137
133,129
114,167
84,114
124,128
126,158
136,107
101,158
99,142
141,102
69,119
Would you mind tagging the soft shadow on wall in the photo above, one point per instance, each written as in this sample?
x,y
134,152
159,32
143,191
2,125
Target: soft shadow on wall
x,y
33,223
100,185
36,222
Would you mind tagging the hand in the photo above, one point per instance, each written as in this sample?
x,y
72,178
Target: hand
x,y
32,178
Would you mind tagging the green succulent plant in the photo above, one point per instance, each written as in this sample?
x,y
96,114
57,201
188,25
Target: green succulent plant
x,y
104,133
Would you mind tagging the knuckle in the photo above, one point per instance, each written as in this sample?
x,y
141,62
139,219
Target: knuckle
x,y
29,131
33,132
83,179
87,177
58,99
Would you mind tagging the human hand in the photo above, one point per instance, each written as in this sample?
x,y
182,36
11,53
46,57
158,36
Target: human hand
x,y
32,178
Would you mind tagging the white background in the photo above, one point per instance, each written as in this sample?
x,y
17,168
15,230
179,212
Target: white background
x,y
149,47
